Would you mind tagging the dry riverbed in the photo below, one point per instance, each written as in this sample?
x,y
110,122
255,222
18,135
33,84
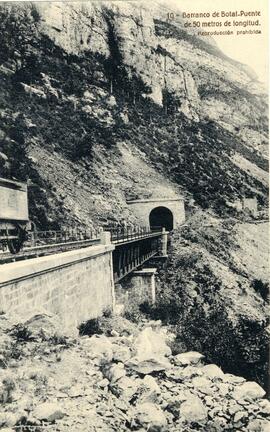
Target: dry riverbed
x,y
125,379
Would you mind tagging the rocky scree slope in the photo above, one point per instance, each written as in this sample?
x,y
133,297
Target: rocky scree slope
x,y
124,379
82,82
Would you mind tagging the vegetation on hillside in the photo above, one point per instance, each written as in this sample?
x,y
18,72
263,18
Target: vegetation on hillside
x,y
216,306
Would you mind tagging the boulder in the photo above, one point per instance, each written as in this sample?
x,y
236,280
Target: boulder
x,y
114,333
151,344
125,388
216,410
248,390
187,373
149,365
43,324
264,405
114,372
76,391
219,424
151,384
193,410
121,353
111,101
155,341
174,403
234,408
100,349
209,401
124,118
258,425
233,379
103,383
188,358
48,411
33,90
204,385
149,390
223,388
212,371
150,417
239,416
89,96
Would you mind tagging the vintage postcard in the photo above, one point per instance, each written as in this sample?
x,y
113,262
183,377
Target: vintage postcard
x,y
134,261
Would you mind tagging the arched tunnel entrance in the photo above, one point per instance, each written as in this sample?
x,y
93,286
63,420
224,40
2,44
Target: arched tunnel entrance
x,y
161,217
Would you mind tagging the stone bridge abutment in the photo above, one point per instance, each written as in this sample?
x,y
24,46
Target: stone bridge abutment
x,y
76,285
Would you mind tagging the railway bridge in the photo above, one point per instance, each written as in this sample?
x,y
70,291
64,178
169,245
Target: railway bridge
x,y
85,278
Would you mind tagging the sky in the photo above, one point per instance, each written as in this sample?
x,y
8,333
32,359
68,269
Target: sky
x,y
249,49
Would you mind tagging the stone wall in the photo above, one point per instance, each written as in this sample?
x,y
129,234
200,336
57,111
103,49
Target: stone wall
x,y
75,285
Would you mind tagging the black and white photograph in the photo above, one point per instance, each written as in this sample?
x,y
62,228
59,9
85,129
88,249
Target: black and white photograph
x,y
134,226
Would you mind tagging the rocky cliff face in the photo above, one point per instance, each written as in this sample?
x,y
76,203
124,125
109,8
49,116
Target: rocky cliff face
x,y
199,77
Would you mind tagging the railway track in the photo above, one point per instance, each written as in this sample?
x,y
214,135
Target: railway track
x,y
44,250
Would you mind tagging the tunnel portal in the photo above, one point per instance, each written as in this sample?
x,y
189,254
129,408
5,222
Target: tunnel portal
x,y
159,212
161,217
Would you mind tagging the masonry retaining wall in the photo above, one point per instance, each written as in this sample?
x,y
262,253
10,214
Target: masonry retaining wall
x,y
143,207
76,285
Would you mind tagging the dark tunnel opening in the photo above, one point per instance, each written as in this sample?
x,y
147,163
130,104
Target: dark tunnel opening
x,y
161,217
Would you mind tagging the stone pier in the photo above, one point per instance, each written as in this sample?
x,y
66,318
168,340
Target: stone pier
x,y
140,287
143,285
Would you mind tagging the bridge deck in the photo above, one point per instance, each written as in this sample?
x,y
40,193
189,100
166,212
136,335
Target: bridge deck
x,y
133,237
133,251
44,250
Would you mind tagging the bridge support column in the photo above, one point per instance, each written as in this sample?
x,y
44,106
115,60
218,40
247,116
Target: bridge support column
x,y
105,237
142,286
164,243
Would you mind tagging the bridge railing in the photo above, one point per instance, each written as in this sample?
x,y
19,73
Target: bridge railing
x,y
131,233
37,238
49,237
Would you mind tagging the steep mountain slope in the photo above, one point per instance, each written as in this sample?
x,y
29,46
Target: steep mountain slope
x,y
83,81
